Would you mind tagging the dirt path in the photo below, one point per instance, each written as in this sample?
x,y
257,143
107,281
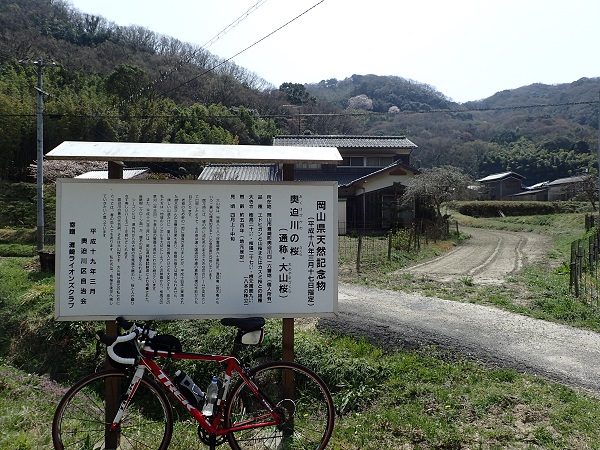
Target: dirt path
x,y
487,257
495,337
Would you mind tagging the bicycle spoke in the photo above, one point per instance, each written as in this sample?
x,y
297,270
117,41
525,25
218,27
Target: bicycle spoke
x,y
307,412
80,424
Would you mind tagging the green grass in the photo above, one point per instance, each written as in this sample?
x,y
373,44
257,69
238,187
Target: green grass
x,y
423,399
386,400
27,403
17,250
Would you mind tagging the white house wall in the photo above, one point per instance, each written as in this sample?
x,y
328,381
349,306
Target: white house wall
x,y
380,182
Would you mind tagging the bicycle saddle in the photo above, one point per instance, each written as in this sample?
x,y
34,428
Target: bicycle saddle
x,y
244,323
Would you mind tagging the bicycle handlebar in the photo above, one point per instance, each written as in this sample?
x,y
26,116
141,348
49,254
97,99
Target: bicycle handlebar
x,y
125,324
134,331
111,341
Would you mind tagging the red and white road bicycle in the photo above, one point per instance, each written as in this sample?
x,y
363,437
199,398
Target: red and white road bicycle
x,y
276,405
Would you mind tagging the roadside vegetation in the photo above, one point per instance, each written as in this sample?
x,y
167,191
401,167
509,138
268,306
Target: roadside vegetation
x,y
422,399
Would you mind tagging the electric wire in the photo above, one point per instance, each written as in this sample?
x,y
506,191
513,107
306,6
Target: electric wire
x,y
234,24
190,58
242,51
341,114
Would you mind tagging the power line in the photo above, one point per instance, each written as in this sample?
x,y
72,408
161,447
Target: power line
x,y
366,113
187,60
242,51
546,105
234,24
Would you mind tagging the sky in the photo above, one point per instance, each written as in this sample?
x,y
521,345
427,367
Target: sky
x,y
466,49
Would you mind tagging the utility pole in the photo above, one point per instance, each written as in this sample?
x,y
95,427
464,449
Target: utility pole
x,y
40,151
299,116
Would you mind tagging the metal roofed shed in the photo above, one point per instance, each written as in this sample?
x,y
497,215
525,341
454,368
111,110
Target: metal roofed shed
x,y
502,185
210,153
500,176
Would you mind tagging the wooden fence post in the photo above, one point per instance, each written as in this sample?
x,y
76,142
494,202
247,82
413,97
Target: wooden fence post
x,y
358,253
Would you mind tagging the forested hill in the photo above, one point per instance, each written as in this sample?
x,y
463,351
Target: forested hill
x,y
89,44
542,132
115,83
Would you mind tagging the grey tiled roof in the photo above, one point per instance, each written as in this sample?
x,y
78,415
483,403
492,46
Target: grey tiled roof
x,y
269,172
344,141
241,172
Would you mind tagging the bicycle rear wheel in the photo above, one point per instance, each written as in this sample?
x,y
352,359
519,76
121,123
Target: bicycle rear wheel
x,y
308,410
79,421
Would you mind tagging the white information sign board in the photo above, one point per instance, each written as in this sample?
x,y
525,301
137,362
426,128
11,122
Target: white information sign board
x,y
179,250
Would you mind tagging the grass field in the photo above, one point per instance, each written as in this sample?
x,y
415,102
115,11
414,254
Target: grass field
x,y
424,399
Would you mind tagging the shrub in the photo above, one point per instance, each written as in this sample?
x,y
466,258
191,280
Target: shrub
x,y
507,208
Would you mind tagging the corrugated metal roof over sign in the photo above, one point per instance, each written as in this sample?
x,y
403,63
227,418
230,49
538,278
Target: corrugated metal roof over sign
x,y
343,141
128,174
211,153
241,172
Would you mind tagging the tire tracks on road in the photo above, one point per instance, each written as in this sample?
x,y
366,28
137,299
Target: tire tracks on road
x,y
488,256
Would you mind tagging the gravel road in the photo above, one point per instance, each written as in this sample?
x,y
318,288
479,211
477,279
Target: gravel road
x,y
495,337
487,257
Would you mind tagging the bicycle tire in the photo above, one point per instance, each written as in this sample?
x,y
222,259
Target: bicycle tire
x,y
79,421
309,414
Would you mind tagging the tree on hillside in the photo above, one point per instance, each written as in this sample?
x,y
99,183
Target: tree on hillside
x,y
588,188
127,81
297,94
437,185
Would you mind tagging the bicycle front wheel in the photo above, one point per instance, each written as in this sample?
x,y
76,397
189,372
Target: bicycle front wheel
x,y
306,406
80,422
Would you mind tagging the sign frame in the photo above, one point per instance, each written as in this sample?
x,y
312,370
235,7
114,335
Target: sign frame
x,y
201,187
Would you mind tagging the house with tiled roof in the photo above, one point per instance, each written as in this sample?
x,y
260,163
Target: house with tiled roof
x,y
370,178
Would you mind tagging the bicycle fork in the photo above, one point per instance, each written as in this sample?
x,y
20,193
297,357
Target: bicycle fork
x,y
126,399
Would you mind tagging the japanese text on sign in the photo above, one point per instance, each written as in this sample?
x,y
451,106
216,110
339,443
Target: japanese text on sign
x,y
188,249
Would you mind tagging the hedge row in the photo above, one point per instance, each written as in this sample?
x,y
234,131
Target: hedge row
x,y
500,208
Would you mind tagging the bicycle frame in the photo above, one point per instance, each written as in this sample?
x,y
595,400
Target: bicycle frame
x,y
146,362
